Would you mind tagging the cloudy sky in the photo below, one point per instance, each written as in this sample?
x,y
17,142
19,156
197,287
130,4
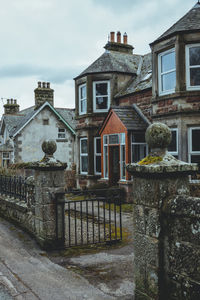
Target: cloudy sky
x,y
55,40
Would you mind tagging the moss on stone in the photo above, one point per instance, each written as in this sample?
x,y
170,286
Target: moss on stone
x,y
150,160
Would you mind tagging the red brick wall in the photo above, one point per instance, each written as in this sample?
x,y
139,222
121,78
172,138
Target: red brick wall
x,y
142,99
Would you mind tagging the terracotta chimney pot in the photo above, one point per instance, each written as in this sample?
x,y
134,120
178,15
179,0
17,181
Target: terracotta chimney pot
x,y
44,85
125,38
118,37
112,36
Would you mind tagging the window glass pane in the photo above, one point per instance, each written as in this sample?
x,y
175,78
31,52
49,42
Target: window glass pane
x,y
98,145
196,140
98,164
168,62
138,152
101,102
105,139
83,92
172,146
194,76
6,155
83,146
138,137
84,164
168,81
101,89
195,158
114,139
122,138
194,56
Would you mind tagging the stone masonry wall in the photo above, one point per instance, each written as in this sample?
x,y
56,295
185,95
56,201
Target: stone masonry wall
x,y
181,240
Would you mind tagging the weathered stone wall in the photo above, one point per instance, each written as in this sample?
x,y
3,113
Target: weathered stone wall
x,y
17,212
181,251
166,224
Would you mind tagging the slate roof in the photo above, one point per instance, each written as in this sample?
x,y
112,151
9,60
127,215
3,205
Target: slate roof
x,y
142,81
113,61
15,122
130,118
189,22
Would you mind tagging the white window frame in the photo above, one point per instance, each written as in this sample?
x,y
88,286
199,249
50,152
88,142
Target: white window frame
x,y
187,65
94,96
105,145
62,132
83,155
160,74
138,144
175,152
190,152
82,99
96,154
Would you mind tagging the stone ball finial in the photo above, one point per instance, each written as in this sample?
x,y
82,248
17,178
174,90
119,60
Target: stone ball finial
x,y
49,147
158,135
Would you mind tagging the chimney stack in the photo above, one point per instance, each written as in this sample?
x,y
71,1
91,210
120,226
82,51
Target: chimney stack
x,y
125,38
119,37
119,46
43,93
11,107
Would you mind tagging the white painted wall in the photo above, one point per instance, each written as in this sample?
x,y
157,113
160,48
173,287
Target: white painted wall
x,y
33,135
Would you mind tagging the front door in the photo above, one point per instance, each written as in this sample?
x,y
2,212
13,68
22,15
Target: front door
x,y
114,165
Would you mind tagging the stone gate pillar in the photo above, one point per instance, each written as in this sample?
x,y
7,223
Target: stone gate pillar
x,y
156,178
49,199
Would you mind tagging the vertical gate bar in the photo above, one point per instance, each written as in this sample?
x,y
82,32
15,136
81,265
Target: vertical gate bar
x,y
104,219
93,221
75,223
69,225
81,222
120,219
110,221
87,220
99,223
115,220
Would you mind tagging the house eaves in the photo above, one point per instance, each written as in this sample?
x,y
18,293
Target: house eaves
x,y
46,104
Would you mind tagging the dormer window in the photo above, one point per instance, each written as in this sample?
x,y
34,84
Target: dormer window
x,y
167,72
82,99
101,96
193,67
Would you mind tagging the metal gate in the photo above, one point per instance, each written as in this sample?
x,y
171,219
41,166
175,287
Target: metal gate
x,y
92,219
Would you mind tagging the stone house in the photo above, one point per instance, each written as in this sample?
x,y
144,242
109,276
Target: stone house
x,y
22,132
122,92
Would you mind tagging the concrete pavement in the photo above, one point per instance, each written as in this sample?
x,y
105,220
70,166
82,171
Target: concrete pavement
x,y
28,274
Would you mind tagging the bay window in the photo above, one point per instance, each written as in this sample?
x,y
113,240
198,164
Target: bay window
x,y
122,157
83,156
82,99
167,72
101,96
193,67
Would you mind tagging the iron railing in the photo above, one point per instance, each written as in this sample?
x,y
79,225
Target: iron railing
x,y
17,188
91,221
